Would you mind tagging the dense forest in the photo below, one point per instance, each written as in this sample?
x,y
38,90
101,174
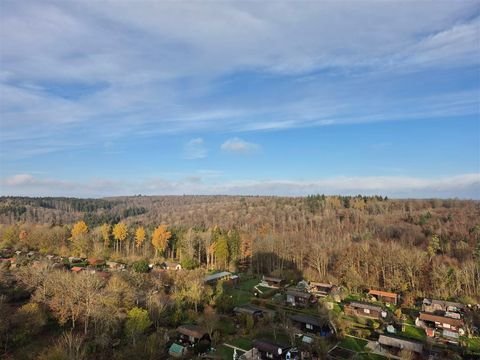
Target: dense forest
x,y
416,247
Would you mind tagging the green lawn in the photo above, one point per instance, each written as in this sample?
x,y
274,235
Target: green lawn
x,y
473,344
353,344
240,297
248,285
225,352
413,332
242,343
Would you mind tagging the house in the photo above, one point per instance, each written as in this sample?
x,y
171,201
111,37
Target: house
x,y
432,306
76,269
248,310
384,296
192,334
390,343
311,324
272,282
321,289
177,350
269,350
299,298
214,278
364,310
170,265
441,322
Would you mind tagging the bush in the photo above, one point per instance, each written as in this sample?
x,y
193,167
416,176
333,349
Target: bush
x,y
140,266
189,264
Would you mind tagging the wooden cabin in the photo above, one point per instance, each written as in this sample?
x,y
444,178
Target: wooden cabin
x,y
272,282
311,324
214,278
192,335
248,310
171,265
267,350
321,289
300,298
433,306
364,310
395,345
384,296
441,322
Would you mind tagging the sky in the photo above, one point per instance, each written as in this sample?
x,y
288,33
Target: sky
x,y
105,98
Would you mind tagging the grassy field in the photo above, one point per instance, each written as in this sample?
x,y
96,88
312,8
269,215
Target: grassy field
x,y
473,344
413,332
353,344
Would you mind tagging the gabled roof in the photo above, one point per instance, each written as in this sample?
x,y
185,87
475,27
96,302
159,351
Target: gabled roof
x,y
267,346
307,319
441,319
217,276
382,293
365,306
323,285
400,343
299,294
247,309
192,330
272,279
76,269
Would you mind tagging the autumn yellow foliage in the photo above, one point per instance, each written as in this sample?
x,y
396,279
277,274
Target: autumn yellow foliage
x,y
139,236
160,238
80,228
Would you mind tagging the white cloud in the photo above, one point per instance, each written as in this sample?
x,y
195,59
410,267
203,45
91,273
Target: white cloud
x,y
195,149
239,146
116,69
461,186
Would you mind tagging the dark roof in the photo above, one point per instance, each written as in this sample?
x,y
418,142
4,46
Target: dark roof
x,y
192,330
300,294
400,343
267,346
440,319
366,306
272,279
306,319
247,309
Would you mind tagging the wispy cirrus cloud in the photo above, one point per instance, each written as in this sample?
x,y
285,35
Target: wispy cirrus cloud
x,y
195,149
114,71
239,146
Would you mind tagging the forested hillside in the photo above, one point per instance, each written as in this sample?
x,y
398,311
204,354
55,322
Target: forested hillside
x,y
413,246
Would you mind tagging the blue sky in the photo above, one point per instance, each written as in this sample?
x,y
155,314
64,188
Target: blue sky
x,y
103,98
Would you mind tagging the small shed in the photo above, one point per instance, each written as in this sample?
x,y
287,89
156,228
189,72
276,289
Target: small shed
x,y
269,350
300,298
192,334
312,324
272,281
384,296
398,343
177,350
213,278
364,310
171,265
321,289
249,310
